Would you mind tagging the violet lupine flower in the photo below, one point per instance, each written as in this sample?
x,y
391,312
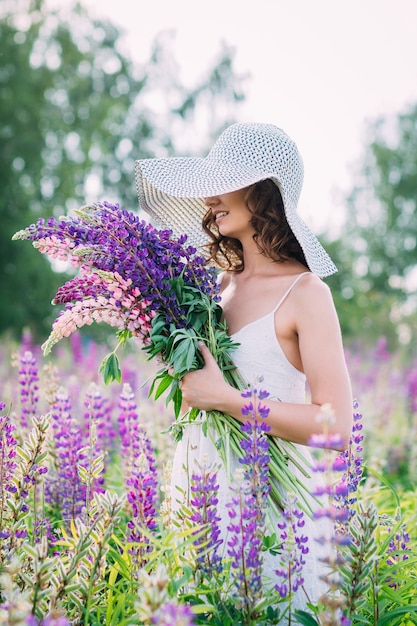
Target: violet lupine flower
x,y
44,528
171,614
203,504
128,426
397,551
76,348
29,389
336,510
293,550
98,413
398,544
142,480
244,544
133,265
411,385
351,461
256,446
65,489
247,509
381,350
8,451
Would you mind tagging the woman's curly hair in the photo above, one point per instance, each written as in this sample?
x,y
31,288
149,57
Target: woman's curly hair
x,y
273,234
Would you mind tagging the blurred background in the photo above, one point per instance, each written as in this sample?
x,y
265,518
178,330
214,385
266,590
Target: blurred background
x,y
85,89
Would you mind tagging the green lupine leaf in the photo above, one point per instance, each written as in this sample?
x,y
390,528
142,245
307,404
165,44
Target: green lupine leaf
x,y
166,381
23,454
177,402
110,369
306,619
158,376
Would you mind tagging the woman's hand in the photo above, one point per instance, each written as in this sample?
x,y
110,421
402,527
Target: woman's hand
x,y
205,388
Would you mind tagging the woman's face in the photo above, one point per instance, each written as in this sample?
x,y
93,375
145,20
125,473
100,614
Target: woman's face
x,y
231,214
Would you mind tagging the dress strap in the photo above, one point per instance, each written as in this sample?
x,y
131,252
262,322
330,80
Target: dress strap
x,y
289,290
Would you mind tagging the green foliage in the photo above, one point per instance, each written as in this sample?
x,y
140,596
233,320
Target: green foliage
x,y
178,347
364,313
383,204
74,117
376,253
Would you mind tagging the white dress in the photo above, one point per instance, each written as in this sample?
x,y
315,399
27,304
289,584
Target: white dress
x,y
259,353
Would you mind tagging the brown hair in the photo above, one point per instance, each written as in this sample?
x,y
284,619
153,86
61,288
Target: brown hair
x,y
273,234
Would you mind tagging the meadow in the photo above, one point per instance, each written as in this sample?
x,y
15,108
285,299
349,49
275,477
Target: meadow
x,y
86,532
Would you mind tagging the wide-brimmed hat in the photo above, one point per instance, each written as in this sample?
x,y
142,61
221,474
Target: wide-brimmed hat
x,y
171,190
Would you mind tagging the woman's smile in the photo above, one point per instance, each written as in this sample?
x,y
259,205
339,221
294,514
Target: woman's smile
x,y
219,215
231,205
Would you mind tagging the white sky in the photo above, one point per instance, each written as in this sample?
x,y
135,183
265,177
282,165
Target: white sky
x,y
318,68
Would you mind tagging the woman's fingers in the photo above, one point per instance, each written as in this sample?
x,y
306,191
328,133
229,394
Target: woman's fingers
x,y
209,362
206,354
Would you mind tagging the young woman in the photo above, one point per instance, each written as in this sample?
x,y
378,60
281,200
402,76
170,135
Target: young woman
x,y
243,197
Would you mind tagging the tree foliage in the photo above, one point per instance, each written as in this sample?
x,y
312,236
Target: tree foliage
x,y
376,289
383,204
76,112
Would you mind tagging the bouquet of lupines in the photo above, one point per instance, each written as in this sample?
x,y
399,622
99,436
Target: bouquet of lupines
x,y
151,287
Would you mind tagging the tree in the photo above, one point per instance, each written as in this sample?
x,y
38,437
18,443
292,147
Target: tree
x,y
379,239
75,114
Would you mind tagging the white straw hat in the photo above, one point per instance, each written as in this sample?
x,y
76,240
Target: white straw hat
x,y
172,189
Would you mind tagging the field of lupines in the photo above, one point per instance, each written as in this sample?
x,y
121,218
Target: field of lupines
x,y
86,534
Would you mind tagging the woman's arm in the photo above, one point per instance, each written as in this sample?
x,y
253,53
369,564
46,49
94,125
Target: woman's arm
x,y
316,325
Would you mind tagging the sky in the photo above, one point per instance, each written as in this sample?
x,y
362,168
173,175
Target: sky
x,y
319,69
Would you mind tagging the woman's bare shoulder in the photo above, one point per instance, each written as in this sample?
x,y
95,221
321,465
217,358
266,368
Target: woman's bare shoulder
x,y
313,291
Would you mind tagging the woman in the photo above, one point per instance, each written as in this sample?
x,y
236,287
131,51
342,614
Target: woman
x,y
243,196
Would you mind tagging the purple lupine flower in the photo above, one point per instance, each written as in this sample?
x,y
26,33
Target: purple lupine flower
x,y
98,414
397,551
44,528
247,508
76,343
381,352
65,489
142,480
15,487
29,389
128,426
337,510
351,463
411,387
203,505
128,267
293,550
171,614
256,447
8,451
398,544
244,544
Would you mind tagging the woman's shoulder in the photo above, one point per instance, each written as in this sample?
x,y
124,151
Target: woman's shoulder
x,y
312,294
313,282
